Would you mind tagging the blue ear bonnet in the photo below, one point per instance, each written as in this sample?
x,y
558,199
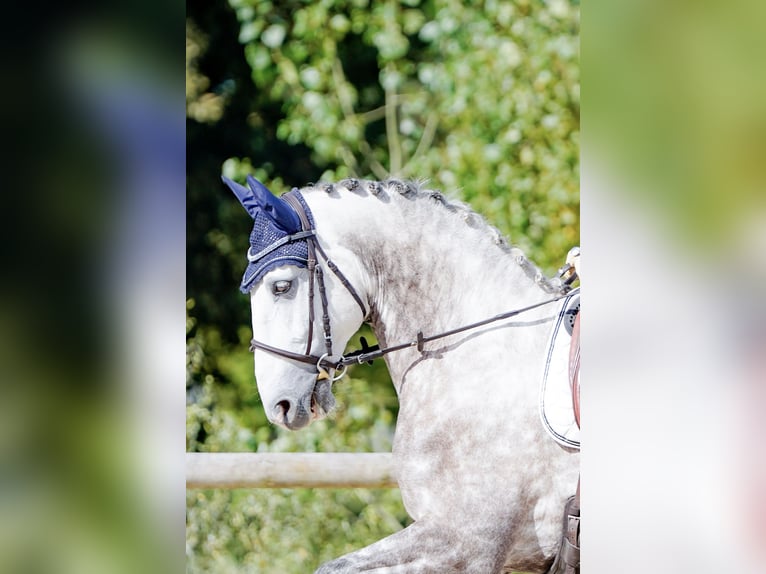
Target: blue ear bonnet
x,y
274,222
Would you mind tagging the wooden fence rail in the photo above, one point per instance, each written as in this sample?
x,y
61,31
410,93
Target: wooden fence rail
x,y
289,470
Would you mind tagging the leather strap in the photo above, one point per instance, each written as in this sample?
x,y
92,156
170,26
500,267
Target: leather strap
x,y
567,559
570,552
325,315
316,274
574,367
346,283
366,354
277,244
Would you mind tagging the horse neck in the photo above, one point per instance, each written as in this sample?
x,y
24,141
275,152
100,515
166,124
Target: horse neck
x,y
428,267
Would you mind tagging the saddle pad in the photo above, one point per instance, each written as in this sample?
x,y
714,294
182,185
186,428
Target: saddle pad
x,y
556,410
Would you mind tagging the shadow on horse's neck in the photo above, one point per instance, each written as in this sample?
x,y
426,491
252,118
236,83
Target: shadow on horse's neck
x,y
442,267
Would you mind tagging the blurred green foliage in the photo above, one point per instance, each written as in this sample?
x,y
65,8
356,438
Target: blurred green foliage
x,y
677,113
481,100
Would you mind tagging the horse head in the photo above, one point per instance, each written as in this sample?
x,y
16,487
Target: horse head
x,y
302,316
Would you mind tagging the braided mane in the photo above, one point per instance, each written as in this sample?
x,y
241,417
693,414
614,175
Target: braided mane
x,y
417,190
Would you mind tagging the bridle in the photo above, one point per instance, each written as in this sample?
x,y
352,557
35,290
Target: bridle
x,y
316,275
366,354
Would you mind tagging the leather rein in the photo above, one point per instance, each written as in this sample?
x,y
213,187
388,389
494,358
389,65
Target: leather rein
x,y
366,354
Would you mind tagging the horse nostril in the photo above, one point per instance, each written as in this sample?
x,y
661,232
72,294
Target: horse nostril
x,y
282,408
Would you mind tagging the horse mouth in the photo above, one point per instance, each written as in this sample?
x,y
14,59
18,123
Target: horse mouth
x,y
322,399
314,407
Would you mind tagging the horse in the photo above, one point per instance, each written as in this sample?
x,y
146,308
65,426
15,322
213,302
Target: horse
x,y
483,483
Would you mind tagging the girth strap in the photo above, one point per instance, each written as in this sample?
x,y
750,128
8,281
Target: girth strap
x,y
571,549
567,560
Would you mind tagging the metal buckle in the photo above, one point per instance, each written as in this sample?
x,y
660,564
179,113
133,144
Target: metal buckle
x,y
333,377
567,274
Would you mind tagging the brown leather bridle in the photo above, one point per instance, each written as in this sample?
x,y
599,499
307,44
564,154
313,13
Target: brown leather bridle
x,y
366,353
316,275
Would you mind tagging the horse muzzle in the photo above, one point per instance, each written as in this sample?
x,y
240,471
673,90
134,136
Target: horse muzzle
x,y
295,414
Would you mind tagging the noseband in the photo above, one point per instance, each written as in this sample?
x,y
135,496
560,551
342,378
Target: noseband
x,y
316,275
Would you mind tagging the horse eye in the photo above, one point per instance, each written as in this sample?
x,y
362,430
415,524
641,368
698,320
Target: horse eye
x,y
281,287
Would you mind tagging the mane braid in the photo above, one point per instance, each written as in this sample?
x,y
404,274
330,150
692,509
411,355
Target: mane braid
x,y
416,190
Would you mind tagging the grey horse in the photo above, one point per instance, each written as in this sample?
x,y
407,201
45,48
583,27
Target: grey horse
x,y
483,483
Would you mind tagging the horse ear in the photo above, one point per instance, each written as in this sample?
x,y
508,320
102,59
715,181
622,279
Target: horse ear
x,y
259,198
244,195
278,210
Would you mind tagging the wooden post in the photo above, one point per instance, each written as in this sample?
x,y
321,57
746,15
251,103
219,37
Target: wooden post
x,y
290,470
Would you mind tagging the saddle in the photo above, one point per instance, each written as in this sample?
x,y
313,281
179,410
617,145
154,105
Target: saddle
x,y
567,559
559,389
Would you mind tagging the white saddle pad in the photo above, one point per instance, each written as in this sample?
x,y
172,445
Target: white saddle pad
x,y
556,409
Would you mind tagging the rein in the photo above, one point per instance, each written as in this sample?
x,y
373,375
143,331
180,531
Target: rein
x,y
366,354
369,354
